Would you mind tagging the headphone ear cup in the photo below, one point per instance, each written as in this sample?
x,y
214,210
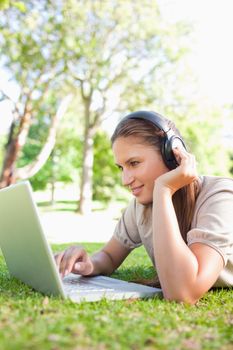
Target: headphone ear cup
x,y
166,153
168,146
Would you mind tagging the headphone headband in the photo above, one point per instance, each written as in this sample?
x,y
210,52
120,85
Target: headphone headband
x,y
152,117
169,140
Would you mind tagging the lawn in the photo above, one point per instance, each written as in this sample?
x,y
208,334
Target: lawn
x,y
29,320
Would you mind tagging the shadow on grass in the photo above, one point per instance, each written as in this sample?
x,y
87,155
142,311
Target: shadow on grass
x,y
136,273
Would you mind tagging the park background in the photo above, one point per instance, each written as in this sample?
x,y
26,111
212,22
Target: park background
x,y
69,70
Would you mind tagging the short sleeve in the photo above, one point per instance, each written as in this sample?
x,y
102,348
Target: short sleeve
x,y
126,231
214,223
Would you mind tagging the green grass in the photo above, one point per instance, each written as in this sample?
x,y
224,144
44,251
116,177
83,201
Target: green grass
x,y
71,205
29,320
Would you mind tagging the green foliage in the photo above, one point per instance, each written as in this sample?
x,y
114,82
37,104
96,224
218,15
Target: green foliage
x,y
116,52
212,157
29,320
231,162
29,47
5,4
202,131
63,164
106,178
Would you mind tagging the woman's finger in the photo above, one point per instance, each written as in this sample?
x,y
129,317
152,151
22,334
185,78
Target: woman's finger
x,y
70,257
180,154
58,258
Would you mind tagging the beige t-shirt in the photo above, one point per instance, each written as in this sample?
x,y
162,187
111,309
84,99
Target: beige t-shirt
x,y
212,224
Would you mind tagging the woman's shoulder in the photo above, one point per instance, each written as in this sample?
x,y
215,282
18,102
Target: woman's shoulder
x,y
216,183
214,188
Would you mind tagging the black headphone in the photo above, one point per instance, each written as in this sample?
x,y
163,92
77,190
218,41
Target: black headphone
x,y
170,139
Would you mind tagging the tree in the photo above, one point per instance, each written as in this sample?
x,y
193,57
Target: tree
x,y
17,140
64,163
106,44
106,48
31,55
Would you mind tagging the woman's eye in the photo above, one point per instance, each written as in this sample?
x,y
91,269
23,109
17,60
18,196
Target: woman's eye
x,y
134,163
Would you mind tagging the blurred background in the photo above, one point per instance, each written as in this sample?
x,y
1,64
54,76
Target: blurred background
x,y
69,70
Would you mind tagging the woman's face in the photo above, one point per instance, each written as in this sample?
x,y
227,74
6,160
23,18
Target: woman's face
x,y
141,164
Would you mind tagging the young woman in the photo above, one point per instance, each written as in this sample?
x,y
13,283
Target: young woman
x,y
185,221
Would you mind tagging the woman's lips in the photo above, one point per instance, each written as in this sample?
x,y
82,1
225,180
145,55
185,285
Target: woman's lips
x,y
136,190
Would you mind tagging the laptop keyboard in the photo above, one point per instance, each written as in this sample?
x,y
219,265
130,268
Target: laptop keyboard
x,y
74,285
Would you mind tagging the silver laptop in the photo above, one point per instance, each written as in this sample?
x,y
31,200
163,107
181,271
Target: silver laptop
x,y
29,257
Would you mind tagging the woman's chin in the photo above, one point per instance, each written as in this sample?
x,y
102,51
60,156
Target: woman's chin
x,y
144,201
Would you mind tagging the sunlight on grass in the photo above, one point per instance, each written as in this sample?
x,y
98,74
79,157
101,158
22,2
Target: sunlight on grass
x,y
29,320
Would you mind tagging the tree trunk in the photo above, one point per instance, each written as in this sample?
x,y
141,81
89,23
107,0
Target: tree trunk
x,y
85,203
9,164
15,143
31,169
91,123
53,181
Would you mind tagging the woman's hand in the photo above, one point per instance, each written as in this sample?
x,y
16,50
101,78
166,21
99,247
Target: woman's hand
x,y
75,260
183,175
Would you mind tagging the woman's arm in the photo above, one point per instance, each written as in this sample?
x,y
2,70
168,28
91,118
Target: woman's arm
x,y
76,260
185,273
109,258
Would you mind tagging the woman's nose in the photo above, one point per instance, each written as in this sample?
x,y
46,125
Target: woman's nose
x,y
127,178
